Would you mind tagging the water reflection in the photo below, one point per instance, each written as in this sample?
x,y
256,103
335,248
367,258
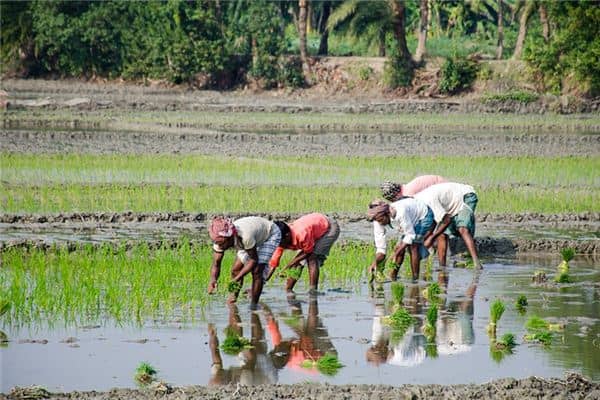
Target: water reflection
x,y
455,333
253,364
258,364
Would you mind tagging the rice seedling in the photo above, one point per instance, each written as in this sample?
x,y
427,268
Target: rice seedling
x,y
234,287
543,337
432,292
397,289
562,275
400,320
145,373
507,341
431,350
521,304
234,343
496,311
328,364
536,323
4,307
429,330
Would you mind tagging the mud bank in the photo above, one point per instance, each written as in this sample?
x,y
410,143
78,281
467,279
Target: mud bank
x,y
72,94
573,386
376,143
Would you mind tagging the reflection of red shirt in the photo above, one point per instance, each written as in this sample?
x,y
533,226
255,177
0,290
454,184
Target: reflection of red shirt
x,y
305,231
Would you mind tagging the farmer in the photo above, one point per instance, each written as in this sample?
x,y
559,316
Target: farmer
x,y
255,239
414,219
313,235
394,191
453,206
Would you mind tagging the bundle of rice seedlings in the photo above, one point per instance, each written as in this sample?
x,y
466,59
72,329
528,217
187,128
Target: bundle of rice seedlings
x,y
429,329
536,323
507,341
432,292
496,311
328,364
567,255
145,373
431,350
234,343
234,286
543,337
562,275
397,292
400,321
522,301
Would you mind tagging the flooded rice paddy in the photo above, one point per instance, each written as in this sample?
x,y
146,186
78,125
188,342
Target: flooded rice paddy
x,y
346,321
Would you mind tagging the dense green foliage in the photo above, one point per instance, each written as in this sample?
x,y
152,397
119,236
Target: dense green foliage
x,y
457,74
573,50
220,44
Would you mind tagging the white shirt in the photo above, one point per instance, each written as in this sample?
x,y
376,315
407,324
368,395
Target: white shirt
x,y
445,198
409,212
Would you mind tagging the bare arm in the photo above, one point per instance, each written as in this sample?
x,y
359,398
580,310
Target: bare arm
x,y
297,259
440,228
215,271
248,265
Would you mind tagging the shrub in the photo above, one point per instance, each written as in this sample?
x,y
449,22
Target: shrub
x,y
521,96
457,74
291,74
397,72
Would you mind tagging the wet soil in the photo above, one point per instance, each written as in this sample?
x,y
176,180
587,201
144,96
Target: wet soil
x,y
573,386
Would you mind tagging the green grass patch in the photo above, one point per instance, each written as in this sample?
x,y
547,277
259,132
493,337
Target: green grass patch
x,y
266,199
520,96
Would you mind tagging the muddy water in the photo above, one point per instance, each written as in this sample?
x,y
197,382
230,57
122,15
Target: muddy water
x,y
345,321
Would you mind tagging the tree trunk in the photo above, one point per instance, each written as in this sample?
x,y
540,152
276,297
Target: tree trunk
x,y
545,22
302,34
323,44
398,21
526,13
421,46
500,48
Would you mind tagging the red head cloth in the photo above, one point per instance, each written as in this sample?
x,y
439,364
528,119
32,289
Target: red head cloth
x,y
221,227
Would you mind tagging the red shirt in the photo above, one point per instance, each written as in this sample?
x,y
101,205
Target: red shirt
x,y
305,231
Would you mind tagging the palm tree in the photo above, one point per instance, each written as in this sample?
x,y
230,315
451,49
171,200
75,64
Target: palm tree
x,y
423,25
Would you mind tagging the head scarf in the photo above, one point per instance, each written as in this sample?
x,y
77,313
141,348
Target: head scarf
x,y
377,209
390,190
221,227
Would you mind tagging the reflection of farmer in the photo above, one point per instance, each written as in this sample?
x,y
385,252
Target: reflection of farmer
x,y
453,206
411,217
255,367
406,352
255,239
454,328
312,341
313,235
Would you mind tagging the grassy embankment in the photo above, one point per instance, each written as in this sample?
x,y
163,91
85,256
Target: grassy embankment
x,y
193,183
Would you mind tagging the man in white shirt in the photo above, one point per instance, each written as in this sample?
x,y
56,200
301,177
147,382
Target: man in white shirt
x,y
413,218
255,240
453,206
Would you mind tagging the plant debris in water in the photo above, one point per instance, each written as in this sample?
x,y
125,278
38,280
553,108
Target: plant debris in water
x,y
539,277
328,364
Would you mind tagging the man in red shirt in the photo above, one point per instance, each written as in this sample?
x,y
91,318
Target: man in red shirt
x,y
313,235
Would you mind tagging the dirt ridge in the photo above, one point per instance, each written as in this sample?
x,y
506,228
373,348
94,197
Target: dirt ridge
x,y
572,386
